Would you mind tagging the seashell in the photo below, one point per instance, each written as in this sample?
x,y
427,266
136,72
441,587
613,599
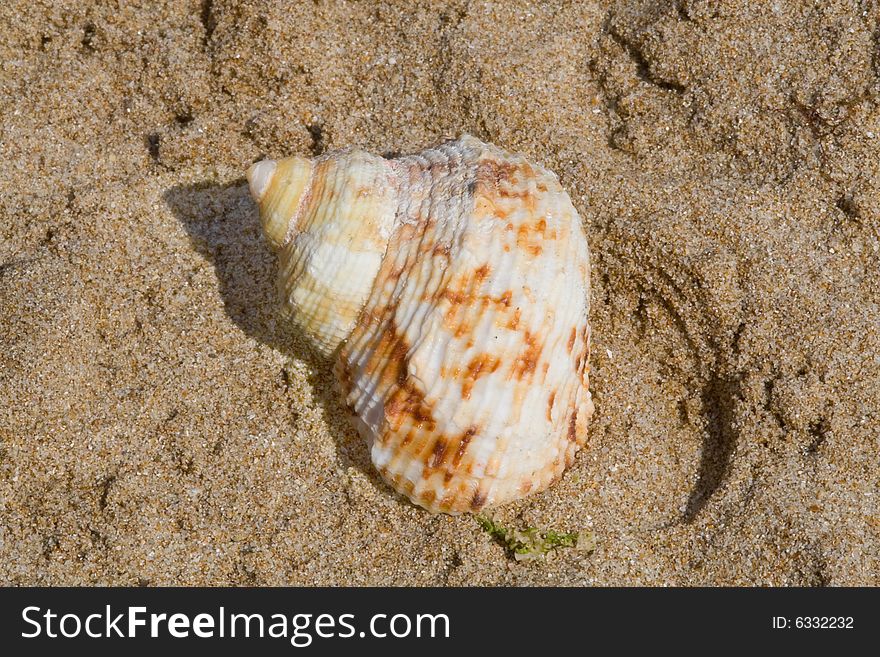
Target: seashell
x,y
452,287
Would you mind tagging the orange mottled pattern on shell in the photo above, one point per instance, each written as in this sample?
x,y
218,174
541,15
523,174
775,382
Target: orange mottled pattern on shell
x,y
467,369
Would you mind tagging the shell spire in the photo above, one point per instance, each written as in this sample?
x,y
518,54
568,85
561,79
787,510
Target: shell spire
x,y
452,287
329,219
279,188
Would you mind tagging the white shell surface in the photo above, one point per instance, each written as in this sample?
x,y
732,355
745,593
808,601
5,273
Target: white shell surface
x,y
467,369
330,220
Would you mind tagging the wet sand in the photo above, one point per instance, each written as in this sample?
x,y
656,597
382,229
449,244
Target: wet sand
x,y
159,426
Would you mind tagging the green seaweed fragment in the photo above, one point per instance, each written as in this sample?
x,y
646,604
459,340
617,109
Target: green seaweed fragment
x,y
531,543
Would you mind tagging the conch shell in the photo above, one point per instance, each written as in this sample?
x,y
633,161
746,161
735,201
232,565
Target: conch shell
x,y
452,287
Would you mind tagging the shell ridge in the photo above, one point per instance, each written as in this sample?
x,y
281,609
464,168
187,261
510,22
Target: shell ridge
x,y
443,442
304,200
436,281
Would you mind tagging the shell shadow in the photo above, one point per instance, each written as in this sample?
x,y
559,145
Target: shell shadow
x,y
223,225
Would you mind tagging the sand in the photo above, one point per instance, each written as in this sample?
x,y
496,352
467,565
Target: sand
x,y
158,425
